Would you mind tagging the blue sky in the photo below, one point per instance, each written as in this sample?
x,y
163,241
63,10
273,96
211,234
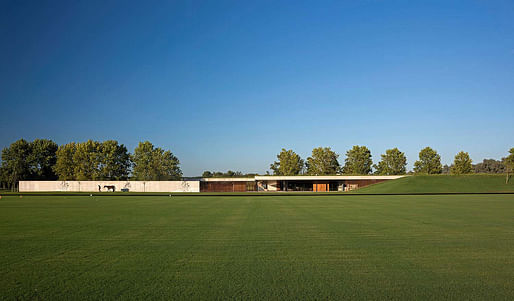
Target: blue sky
x,y
227,84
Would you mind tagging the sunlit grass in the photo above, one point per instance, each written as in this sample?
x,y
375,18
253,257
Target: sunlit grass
x,y
288,247
475,183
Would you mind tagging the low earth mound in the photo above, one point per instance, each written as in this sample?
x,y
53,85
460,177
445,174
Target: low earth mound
x,y
443,184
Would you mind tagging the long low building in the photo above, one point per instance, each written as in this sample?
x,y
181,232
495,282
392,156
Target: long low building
x,y
257,183
291,183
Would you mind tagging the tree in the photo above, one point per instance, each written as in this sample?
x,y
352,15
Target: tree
x,y
3,177
509,163
24,160
461,164
489,166
358,161
393,162
154,163
143,162
15,163
232,174
289,164
429,162
323,161
65,166
219,174
87,160
114,160
168,166
228,174
42,159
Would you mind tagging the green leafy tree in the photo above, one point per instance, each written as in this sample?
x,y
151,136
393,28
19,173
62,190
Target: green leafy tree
x,y
358,161
3,177
393,162
489,166
207,174
42,159
15,163
461,164
168,167
87,160
114,160
65,165
323,161
232,174
509,163
143,162
152,163
228,174
289,164
29,161
429,162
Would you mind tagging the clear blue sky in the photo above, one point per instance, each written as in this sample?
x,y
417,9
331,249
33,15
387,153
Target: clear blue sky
x,y
227,84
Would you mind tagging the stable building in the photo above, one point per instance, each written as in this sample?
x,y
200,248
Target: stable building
x,y
257,184
290,183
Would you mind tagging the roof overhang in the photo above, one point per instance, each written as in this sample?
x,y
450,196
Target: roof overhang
x,y
300,178
227,179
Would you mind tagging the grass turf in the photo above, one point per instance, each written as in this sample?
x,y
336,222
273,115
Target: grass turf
x,y
442,184
290,247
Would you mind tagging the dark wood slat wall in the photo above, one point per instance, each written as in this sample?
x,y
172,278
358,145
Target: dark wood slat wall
x,y
229,186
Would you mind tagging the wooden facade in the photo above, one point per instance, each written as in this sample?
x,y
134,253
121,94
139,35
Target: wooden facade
x,y
320,187
228,186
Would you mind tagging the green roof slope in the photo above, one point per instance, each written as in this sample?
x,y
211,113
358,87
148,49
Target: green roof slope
x,y
442,184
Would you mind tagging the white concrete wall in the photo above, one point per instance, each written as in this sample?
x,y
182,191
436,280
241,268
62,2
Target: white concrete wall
x,y
92,186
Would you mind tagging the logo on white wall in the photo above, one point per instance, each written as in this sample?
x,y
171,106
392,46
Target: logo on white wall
x,y
64,186
185,186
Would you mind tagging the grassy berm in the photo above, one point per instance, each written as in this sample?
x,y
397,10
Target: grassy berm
x,y
458,247
442,184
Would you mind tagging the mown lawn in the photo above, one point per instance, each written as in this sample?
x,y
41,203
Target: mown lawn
x,y
260,247
474,183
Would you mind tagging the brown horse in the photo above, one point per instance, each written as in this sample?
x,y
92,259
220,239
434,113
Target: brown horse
x,y
110,187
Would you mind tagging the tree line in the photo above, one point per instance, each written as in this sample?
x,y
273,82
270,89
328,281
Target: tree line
x,y
228,174
358,161
43,159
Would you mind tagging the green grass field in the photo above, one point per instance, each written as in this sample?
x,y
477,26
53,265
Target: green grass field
x,y
476,183
260,247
